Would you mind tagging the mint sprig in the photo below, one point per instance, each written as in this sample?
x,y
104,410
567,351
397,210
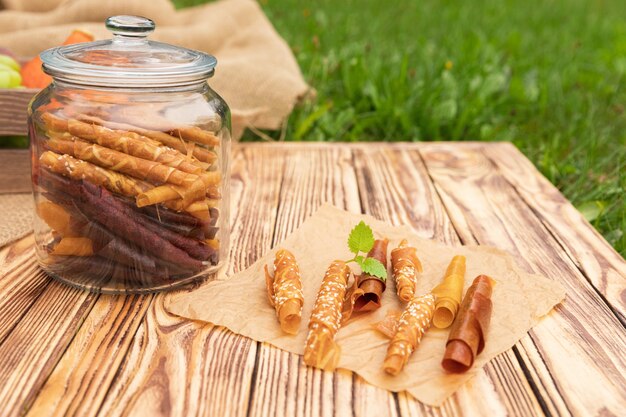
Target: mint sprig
x,y
361,239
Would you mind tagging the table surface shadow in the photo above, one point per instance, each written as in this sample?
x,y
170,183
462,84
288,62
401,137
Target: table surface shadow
x,y
65,352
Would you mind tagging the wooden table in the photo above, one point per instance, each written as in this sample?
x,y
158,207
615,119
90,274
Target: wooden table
x,y
65,352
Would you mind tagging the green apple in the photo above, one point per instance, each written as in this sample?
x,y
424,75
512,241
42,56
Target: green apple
x,y
7,61
9,78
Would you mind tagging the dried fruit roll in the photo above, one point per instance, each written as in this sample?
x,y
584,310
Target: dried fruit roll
x,y
190,149
195,248
200,232
200,209
149,119
195,134
97,204
163,214
167,192
320,349
76,169
114,248
71,167
413,323
74,246
449,293
372,287
125,142
284,291
405,265
58,218
467,336
120,162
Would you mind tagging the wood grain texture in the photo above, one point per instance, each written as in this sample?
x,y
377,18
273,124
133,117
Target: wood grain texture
x,y
15,171
14,110
20,287
21,283
600,263
104,338
583,326
177,367
395,187
35,345
283,385
10,254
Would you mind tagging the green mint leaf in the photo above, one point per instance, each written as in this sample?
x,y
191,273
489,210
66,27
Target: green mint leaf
x,y
361,238
359,260
375,268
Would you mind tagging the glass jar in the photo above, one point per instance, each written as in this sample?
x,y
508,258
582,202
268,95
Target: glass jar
x,y
130,164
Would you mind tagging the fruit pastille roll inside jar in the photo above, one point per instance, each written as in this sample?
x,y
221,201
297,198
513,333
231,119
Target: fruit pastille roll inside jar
x,y
130,163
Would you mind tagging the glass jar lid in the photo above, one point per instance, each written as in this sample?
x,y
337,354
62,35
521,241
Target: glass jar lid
x,y
129,59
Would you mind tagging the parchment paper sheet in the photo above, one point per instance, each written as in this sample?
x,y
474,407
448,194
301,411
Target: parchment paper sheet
x,y
240,303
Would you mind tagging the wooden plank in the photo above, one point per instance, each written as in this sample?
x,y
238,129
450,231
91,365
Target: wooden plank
x,y
15,171
395,187
21,283
178,367
14,110
31,351
591,253
283,385
79,383
20,287
12,254
591,375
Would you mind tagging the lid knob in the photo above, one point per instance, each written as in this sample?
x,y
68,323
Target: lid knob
x,y
130,26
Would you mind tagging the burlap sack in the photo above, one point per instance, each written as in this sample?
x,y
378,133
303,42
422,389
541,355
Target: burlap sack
x,y
256,73
17,217
31,5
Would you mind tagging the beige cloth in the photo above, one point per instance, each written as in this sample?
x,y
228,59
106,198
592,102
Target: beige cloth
x,y
17,217
240,303
256,73
31,5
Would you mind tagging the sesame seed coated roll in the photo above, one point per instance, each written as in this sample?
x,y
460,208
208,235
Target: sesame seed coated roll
x,y
405,265
413,323
284,291
320,349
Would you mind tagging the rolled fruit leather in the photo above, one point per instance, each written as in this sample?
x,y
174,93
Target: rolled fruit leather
x,y
405,265
284,290
468,333
449,293
321,350
412,324
371,288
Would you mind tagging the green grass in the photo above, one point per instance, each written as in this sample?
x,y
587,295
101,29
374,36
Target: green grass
x,y
547,75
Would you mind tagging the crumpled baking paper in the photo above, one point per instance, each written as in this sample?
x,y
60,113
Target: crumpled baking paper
x,y
240,303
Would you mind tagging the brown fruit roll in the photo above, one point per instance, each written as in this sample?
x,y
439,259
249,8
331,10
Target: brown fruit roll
x,y
99,205
372,287
467,336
